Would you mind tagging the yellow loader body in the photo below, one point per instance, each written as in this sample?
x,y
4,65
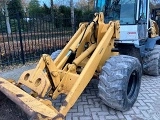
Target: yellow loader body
x,y
53,78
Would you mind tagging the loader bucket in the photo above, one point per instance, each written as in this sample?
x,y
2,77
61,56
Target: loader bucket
x,y
30,105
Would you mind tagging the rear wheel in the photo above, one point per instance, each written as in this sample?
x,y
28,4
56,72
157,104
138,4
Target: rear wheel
x,y
151,63
120,81
55,54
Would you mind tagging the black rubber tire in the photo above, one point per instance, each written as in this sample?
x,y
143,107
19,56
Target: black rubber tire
x,y
119,82
151,62
131,50
55,54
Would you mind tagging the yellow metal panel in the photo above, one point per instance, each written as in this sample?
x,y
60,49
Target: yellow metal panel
x,y
28,103
64,75
66,84
39,82
88,71
79,59
67,47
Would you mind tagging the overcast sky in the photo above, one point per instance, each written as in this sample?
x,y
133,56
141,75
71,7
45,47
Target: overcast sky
x,y
45,1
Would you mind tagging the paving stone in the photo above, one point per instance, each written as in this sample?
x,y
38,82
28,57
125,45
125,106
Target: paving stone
x,y
104,107
136,110
103,113
111,117
112,111
85,118
143,108
69,116
145,114
120,115
141,102
73,110
148,100
102,117
95,116
77,114
89,105
87,111
80,108
75,118
128,117
95,109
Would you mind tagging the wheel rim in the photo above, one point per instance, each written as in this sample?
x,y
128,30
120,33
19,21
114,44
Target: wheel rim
x,y
132,84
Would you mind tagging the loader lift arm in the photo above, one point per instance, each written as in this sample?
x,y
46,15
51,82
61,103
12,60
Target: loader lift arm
x,y
52,78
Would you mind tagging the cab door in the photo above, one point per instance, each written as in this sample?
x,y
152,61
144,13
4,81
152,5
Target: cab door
x,y
143,18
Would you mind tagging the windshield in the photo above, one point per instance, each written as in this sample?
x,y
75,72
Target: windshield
x,y
123,10
100,5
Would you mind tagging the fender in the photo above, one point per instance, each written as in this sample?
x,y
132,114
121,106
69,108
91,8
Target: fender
x,y
151,42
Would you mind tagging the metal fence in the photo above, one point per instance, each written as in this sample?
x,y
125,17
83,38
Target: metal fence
x,y
30,37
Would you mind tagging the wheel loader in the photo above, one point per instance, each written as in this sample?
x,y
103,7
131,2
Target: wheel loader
x,y
118,45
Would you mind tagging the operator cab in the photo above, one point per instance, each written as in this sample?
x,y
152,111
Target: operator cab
x,y
155,15
132,14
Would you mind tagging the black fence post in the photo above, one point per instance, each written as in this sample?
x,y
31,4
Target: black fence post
x,y
20,37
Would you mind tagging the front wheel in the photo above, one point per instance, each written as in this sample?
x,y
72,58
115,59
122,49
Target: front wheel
x,y
55,54
120,81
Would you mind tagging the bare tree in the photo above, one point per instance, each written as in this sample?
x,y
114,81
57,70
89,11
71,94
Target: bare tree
x,y
91,4
85,4
72,15
5,8
82,4
25,4
52,10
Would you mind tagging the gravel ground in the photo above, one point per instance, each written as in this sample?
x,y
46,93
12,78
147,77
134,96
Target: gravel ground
x,y
8,109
